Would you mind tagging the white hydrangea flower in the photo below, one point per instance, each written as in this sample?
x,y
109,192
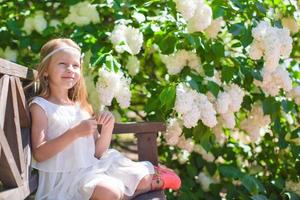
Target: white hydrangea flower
x,y
271,43
274,81
184,99
208,156
197,14
139,17
256,50
228,120
295,94
201,19
10,54
112,85
36,22
186,144
40,22
173,132
219,134
256,123
123,94
214,28
194,106
127,39
205,181
236,95
133,65
186,7
54,23
177,61
222,103
82,13
290,23
183,156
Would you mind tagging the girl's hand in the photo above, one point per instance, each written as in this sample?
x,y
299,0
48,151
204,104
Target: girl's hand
x,y
107,120
86,127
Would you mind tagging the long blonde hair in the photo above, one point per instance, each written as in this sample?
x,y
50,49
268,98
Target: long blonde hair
x,y
78,93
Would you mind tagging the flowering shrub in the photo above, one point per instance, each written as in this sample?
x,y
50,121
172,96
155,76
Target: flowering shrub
x,y
223,75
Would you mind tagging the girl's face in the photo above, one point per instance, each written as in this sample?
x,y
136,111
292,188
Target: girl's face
x,y
64,69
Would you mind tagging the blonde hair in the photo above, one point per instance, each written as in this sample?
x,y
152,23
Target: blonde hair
x,y
78,93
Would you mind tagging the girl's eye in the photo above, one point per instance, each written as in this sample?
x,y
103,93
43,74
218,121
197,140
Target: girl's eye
x,y
62,63
76,66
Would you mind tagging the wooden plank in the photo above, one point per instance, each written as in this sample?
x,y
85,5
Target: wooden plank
x,y
22,106
18,193
4,82
153,195
9,173
14,130
10,68
147,147
137,127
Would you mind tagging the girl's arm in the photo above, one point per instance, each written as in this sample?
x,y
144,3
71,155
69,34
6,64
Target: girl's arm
x,y
103,140
44,149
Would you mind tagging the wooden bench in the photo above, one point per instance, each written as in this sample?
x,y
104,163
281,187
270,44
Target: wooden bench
x,y
17,178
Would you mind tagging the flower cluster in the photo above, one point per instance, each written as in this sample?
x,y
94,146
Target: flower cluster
x,y
290,23
229,102
214,28
256,122
173,132
197,14
271,43
208,156
295,94
133,65
127,38
177,61
194,106
9,54
274,81
36,22
82,13
110,85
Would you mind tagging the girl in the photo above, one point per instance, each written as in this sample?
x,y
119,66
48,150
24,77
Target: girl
x,y
72,158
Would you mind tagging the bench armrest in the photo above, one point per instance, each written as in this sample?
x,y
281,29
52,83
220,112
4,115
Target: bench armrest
x,y
146,133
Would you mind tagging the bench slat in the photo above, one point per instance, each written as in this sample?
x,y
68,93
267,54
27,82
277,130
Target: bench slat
x,y
13,69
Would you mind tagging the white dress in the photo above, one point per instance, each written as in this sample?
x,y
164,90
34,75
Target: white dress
x,y
74,172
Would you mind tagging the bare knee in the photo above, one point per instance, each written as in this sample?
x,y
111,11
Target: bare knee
x,y
103,192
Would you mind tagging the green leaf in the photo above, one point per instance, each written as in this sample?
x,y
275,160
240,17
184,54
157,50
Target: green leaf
x,y
167,44
287,105
218,49
260,7
167,97
230,171
206,141
209,69
270,106
227,73
199,131
259,197
213,87
250,184
237,29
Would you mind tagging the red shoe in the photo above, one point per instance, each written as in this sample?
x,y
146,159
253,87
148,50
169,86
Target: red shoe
x,y
169,178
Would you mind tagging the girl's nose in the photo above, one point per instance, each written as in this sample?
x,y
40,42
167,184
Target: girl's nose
x,y
70,67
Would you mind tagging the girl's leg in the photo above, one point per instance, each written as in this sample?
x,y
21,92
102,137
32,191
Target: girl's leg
x,y
106,191
146,184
